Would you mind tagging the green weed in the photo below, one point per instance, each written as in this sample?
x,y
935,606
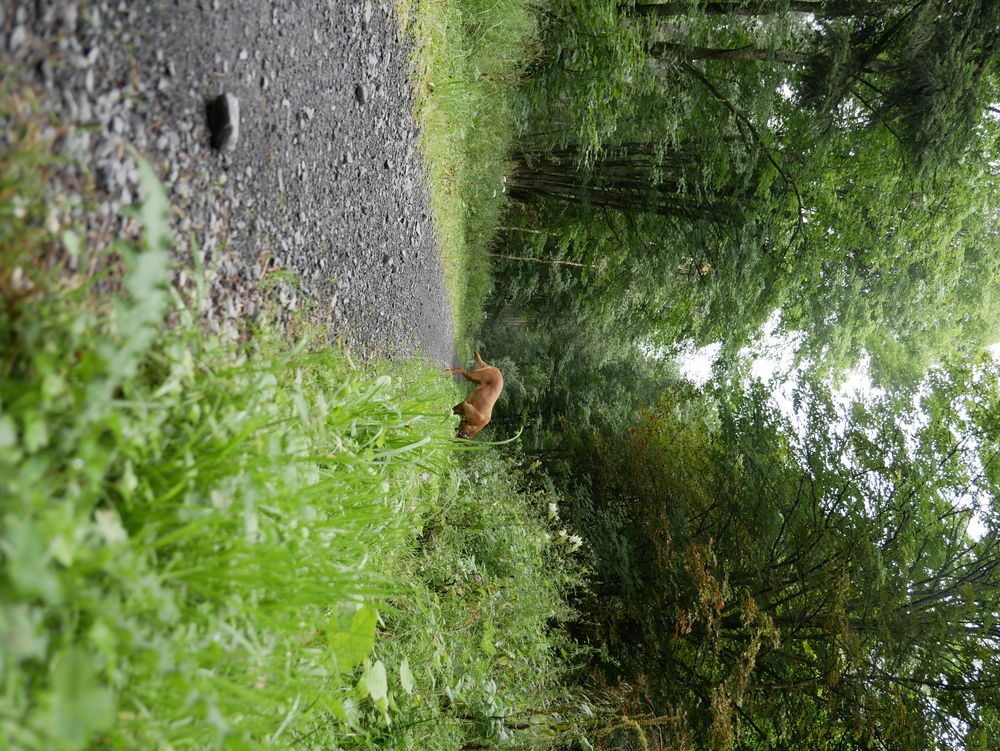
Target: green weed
x,y
477,658
470,57
254,544
188,529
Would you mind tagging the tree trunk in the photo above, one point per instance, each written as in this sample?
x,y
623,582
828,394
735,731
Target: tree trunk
x,y
630,180
548,261
865,59
741,54
818,8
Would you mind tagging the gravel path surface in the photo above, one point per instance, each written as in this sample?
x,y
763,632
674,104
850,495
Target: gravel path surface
x,y
324,179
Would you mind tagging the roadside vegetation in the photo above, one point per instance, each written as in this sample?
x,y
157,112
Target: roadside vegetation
x,y
469,60
258,543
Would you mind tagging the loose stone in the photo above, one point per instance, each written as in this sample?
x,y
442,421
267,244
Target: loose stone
x,y
224,121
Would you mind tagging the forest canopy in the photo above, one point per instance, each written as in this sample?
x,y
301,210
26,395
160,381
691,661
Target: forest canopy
x,y
695,167
686,172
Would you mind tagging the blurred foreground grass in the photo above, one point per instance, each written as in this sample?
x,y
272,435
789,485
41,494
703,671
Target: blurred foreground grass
x,y
253,544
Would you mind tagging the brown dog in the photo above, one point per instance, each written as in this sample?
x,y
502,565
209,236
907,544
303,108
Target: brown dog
x,y
477,409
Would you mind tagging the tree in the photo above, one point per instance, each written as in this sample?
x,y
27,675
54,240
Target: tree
x,y
904,275
816,8
637,177
812,589
923,70
758,165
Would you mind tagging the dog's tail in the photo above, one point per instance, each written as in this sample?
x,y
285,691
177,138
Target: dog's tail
x,y
469,445
479,361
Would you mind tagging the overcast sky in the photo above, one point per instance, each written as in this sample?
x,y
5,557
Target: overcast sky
x,y
773,363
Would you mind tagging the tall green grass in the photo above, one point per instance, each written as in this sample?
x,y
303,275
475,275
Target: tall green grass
x,y
478,626
255,544
189,529
469,59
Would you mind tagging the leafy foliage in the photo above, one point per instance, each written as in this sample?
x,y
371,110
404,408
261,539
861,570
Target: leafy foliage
x,y
757,161
816,590
686,170
480,661
195,535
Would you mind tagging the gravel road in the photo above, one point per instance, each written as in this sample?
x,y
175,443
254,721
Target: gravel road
x,y
324,180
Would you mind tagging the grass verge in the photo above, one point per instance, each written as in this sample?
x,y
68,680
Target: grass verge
x,y
478,630
469,58
255,544
189,529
